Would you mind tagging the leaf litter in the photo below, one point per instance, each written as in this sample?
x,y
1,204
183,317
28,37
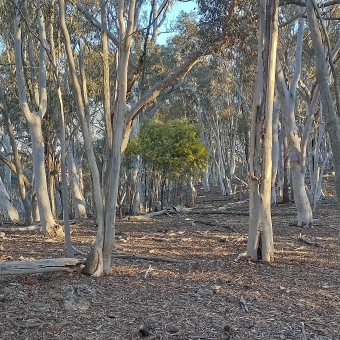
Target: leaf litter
x,y
214,292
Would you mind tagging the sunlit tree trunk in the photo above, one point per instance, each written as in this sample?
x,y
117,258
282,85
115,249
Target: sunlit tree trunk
x,y
260,244
94,265
125,39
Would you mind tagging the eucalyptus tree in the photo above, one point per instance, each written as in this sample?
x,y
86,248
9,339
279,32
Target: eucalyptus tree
x,y
329,91
260,241
34,106
16,159
297,146
120,119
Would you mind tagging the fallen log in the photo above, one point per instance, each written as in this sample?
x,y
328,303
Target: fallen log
x,y
39,266
148,258
29,228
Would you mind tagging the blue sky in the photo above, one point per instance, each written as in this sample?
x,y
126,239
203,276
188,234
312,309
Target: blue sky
x,y
175,10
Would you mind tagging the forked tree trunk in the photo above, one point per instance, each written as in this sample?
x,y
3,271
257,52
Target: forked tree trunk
x,y
125,35
331,116
35,121
296,151
95,264
260,244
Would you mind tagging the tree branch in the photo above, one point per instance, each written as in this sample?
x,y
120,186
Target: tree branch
x,y
162,98
14,169
110,35
330,59
303,3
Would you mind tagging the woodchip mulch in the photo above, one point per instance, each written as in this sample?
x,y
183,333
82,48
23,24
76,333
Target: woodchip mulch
x,y
212,294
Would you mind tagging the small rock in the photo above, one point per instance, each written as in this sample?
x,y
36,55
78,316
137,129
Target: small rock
x,y
11,293
41,307
227,329
67,291
194,320
219,281
84,289
261,323
76,303
205,291
171,329
144,330
57,297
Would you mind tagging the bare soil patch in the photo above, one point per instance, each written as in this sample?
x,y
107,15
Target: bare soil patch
x,y
212,294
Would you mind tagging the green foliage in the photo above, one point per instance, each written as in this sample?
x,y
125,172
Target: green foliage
x,y
173,149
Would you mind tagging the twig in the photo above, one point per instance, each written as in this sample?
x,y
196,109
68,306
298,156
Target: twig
x,y
148,258
303,333
243,304
147,272
78,251
310,243
205,223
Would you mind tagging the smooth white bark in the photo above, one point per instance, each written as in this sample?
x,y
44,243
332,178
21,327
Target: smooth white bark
x,y
331,116
7,209
260,241
287,95
77,196
35,122
95,265
275,152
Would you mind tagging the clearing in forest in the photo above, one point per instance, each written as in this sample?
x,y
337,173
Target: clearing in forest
x,y
209,293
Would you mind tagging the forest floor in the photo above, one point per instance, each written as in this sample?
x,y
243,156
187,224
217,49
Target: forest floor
x,y
214,293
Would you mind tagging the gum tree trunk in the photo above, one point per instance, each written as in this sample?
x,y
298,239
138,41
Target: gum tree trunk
x,y
322,77
17,163
297,154
77,196
35,120
260,244
275,152
7,209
